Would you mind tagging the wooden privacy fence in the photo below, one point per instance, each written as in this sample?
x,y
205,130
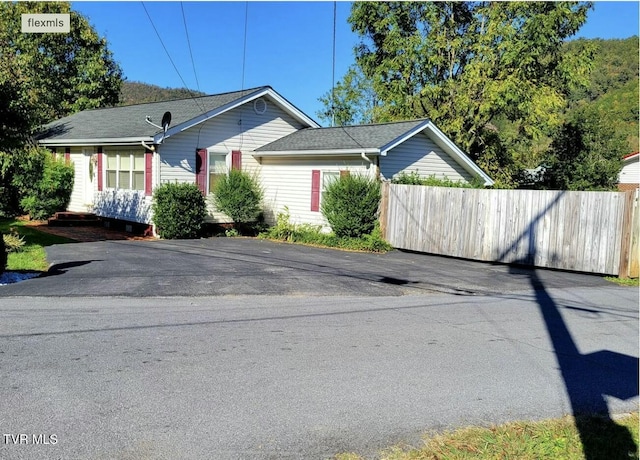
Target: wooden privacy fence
x,y
583,231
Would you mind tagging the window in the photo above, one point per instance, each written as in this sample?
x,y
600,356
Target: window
x,y
125,170
327,178
217,167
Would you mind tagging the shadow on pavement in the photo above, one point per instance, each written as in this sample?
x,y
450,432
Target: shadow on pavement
x,y
59,269
588,378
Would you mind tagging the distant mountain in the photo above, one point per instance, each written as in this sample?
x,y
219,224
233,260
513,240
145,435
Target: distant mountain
x,y
134,92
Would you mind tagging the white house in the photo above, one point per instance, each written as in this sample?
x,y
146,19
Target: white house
x,y
119,155
629,177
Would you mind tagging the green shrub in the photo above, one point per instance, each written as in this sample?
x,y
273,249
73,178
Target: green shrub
x,y
52,191
413,178
3,255
238,195
350,205
20,173
178,210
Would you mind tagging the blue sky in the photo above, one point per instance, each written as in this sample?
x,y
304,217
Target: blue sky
x,y
288,44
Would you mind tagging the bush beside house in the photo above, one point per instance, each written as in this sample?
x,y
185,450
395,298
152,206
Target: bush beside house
x,y
238,195
179,210
350,205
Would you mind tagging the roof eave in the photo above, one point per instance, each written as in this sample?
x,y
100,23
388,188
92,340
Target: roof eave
x,y
324,152
96,141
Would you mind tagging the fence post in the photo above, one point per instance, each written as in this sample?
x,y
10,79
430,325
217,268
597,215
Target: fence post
x,y
384,208
627,234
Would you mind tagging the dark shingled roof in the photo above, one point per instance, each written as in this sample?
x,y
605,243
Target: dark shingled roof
x,y
373,136
129,121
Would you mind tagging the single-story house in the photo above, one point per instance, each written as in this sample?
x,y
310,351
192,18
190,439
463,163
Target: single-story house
x,y
629,176
121,153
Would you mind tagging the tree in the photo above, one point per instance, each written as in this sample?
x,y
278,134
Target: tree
x,y
586,154
470,66
48,76
351,102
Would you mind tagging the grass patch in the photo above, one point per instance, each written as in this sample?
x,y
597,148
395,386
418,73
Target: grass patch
x,y
550,439
623,281
312,236
32,257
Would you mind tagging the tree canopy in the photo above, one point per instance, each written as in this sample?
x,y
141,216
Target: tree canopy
x,y
492,75
50,75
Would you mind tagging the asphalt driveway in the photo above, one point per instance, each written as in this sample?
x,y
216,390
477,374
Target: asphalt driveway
x,y
243,266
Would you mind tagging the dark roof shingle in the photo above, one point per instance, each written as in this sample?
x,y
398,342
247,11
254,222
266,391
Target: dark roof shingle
x,y
343,137
129,121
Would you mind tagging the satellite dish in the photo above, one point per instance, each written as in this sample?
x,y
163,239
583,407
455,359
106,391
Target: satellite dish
x,y
166,121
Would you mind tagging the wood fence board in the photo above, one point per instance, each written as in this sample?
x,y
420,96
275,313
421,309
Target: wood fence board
x,y
558,229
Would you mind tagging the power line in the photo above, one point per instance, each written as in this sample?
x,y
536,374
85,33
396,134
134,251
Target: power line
x,y
171,60
244,46
186,31
333,69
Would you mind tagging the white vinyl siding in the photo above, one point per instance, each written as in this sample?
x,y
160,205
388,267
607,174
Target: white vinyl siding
x,y
78,202
287,182
421,154
630,173
128,204
239,129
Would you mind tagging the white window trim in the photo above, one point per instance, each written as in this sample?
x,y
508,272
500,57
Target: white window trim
x,y
333,173
119,154
227,162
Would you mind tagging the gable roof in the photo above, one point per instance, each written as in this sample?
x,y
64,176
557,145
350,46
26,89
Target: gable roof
x,y
373,139
126,124
357,138
631,156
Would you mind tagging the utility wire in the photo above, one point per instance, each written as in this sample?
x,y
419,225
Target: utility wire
x,y
172,63
244,46
333,85
186,31
333,69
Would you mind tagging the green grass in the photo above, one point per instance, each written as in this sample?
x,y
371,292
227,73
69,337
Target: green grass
x,y
546,440
33,256
312,235
623,281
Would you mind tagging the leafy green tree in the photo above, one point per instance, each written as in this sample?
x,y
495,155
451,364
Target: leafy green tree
x,y
48,76
351,102
585,154
469,66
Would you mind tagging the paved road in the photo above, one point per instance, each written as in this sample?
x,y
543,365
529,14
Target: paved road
x,y
288,377
239,266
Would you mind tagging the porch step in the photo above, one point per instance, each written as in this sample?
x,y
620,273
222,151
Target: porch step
x,y
73,219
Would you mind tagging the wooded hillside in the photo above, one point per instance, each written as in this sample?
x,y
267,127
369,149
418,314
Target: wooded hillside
x,y
612,93
134,92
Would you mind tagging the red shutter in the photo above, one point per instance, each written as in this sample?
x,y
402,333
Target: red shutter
x,y
201,170
148,172
67,155
100,169
236,159
315,190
